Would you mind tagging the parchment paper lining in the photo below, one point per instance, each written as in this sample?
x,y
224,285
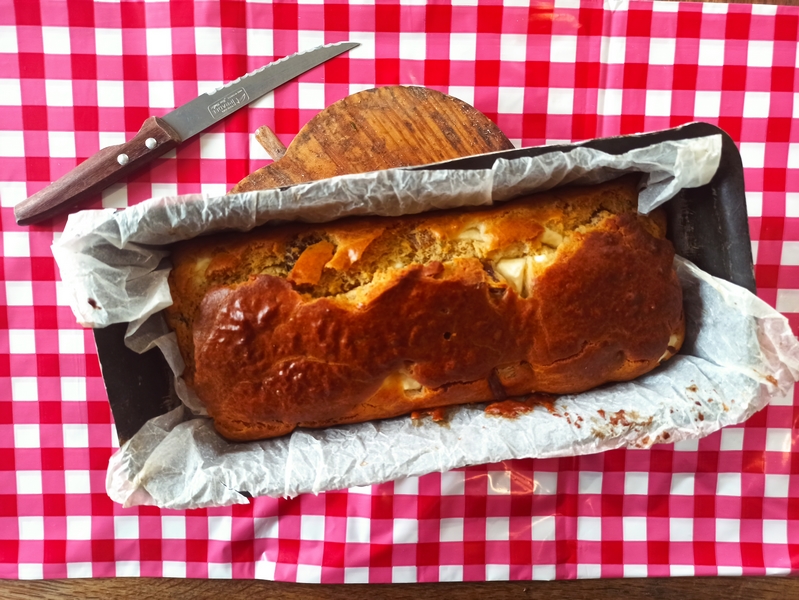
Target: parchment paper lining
x,y
738,353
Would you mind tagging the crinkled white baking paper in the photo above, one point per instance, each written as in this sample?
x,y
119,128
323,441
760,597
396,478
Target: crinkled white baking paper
x,y
738,352
112,267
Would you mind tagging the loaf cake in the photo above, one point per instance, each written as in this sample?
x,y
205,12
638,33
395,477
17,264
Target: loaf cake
x,y
312,325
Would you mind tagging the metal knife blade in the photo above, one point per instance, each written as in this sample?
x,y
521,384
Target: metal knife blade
x,y
160,134
207,109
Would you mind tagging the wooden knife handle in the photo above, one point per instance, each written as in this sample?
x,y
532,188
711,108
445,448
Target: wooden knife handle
x,y
98,172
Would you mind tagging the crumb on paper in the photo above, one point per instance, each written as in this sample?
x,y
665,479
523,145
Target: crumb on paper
x,y
509,409
620,422
514,408
440,416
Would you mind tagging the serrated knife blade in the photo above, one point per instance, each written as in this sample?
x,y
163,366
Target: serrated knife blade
x,y
161,134
207,109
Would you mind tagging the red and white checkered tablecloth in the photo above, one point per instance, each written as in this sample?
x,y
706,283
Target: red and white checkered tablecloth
x,y
76,76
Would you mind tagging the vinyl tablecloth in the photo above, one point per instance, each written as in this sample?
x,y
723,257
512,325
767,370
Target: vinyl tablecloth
x,y
76,76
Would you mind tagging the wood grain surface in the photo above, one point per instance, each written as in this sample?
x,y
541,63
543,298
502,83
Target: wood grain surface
x,y
99,171
383,128
727,588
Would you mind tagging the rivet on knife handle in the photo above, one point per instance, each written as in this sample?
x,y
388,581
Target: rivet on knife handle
x,y
98,172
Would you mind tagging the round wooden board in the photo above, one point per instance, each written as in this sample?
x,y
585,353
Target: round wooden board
x,y
381,128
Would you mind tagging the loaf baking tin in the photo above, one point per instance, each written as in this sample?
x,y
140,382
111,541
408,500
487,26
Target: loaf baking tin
x,y
707,225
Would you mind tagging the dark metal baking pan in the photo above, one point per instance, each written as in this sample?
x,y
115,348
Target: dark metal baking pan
x,y
708,225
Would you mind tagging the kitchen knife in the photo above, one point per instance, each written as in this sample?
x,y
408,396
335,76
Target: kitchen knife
x,y
160,134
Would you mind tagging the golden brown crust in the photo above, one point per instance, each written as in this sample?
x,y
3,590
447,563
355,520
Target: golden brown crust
x,y
390,333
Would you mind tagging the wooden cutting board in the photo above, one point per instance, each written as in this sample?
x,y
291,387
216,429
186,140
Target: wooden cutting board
x,y
395,126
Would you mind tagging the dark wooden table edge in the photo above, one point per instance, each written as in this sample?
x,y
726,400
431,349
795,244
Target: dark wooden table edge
x,y
708,588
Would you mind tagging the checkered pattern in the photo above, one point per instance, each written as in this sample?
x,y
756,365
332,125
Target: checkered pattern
x,y
76,76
